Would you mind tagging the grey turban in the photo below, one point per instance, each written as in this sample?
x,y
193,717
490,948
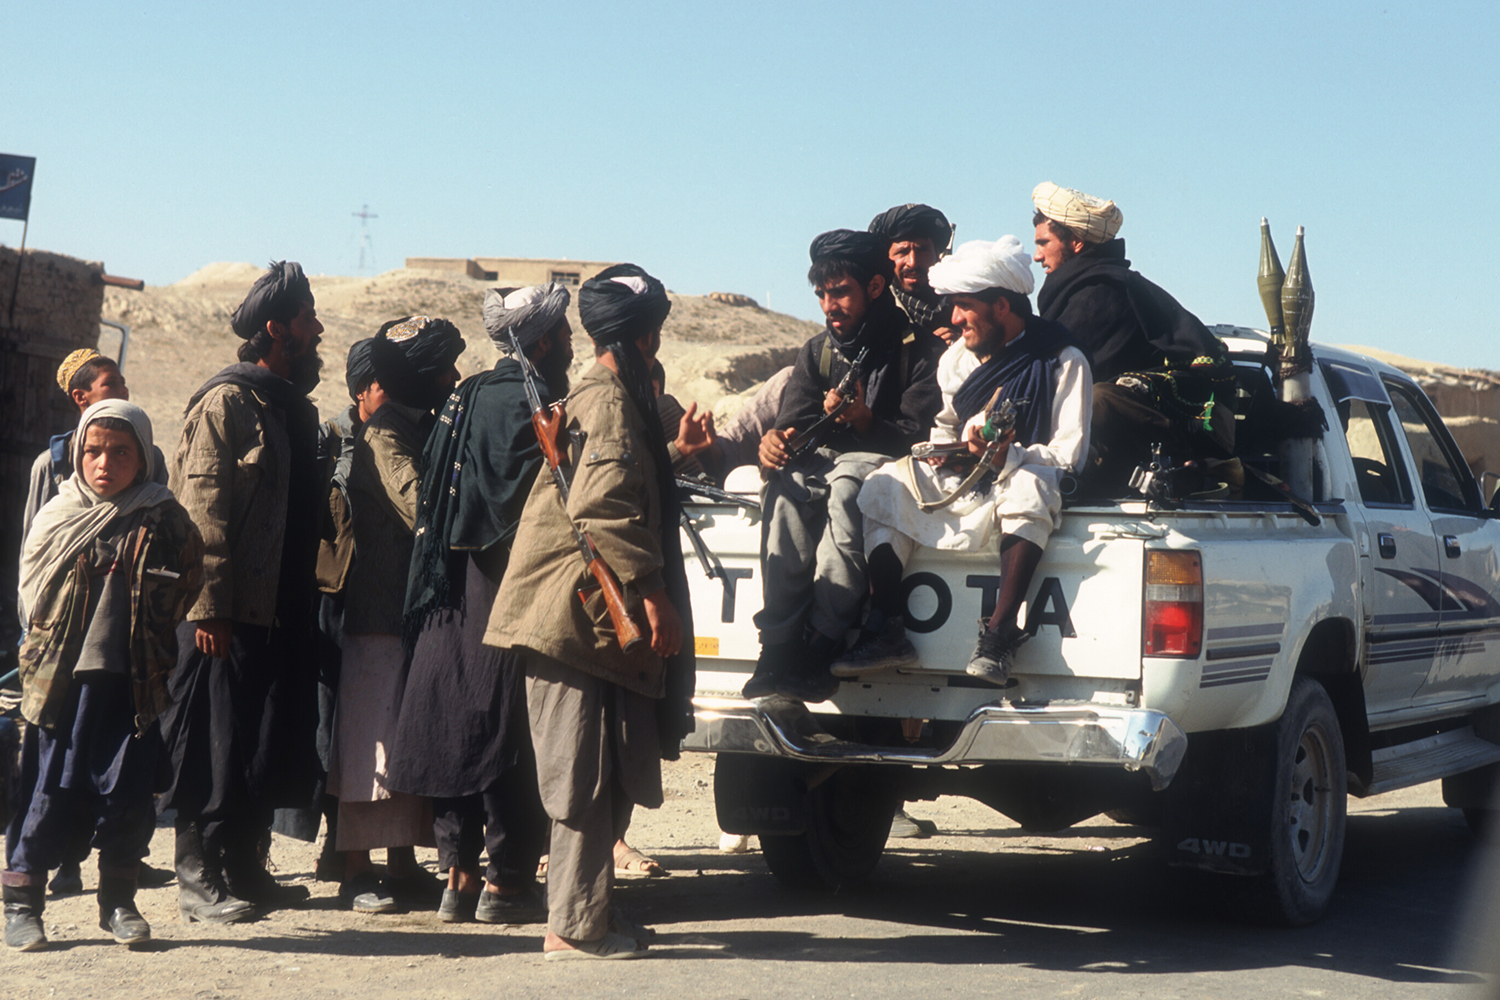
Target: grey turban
x,y
275,294
533,312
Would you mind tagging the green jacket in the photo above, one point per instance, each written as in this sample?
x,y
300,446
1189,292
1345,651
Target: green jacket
x,y
384,484
615,498
166,575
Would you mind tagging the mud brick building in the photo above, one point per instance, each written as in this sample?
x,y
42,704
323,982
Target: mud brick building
x,y
57,306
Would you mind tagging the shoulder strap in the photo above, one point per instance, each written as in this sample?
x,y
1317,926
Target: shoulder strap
x,y
825,360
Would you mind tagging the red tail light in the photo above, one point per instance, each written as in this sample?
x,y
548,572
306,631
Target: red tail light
x,y
1173,612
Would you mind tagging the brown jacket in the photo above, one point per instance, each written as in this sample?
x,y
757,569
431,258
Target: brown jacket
x,y
231,472
614,497
166,558
384,483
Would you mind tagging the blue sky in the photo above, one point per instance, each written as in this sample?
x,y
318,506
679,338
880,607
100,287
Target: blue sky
x,y
710,143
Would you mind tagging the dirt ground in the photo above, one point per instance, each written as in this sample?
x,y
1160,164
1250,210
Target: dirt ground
x,y
318,950
982,907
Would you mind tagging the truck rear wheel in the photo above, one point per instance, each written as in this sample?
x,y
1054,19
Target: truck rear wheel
x,y
1307,809
848,821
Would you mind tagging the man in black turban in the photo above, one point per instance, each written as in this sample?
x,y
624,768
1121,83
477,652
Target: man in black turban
x,y
602,717
239,731
919,235
278,322
812,548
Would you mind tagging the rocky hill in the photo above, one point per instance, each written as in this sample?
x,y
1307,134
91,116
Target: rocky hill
x,y
714,347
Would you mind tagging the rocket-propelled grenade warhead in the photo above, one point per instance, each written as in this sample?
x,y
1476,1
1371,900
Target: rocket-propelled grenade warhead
x,y
1269,280
1296,312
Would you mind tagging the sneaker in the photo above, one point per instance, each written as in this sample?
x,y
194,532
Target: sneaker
x,y
886,648
364,894
995,656
904,826
457,907
528,907
809,680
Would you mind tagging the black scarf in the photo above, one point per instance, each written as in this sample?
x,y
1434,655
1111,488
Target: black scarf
x,y
1155,331
1024,369
925,316
478,467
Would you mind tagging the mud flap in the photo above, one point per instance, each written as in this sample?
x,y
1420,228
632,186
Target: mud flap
x,y
760,795
1216,811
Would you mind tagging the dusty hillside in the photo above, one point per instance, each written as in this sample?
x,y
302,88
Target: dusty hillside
x,y
180,335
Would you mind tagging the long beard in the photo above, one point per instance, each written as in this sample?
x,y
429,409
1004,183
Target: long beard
x,y
554,372
306,371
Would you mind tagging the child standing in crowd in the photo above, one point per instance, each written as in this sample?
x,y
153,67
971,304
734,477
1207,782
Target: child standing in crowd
x,y
109,568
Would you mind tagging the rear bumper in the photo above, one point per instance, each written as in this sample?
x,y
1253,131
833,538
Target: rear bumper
x,y
1072,733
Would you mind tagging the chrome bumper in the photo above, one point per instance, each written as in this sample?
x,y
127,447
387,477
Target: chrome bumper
x,y
1072,733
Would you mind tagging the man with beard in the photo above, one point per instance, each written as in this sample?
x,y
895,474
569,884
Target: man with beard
x,y
812,546
1160,374
463,737
602,717
1029,361
919,235
241,727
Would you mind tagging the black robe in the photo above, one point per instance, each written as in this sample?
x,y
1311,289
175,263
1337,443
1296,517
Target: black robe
x,y
1123,322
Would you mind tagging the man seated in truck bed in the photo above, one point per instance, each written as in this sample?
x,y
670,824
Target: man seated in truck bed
x,y
1160,375
1005,353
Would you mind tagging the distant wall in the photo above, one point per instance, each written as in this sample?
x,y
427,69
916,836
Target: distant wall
x,y
518,271
57,311
1469,403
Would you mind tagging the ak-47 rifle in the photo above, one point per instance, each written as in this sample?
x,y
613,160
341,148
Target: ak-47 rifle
x,y
999,421
808,439
548,422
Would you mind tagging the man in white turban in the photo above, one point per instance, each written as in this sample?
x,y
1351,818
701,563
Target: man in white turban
x,y
1003,482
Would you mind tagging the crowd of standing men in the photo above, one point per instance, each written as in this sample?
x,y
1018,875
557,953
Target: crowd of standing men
x,y
376,621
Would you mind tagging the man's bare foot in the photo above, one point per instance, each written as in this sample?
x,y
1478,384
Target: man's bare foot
x,y
631,863
611,945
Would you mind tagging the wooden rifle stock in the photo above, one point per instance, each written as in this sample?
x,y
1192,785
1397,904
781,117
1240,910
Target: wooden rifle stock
x,y
627,631
548,423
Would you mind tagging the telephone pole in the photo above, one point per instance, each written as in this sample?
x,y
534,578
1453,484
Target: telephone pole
x,y
364,215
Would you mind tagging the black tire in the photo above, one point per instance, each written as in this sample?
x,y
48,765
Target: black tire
x,y
1307,809
848,821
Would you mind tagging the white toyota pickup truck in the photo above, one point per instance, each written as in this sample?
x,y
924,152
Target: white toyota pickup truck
x,y
1226,671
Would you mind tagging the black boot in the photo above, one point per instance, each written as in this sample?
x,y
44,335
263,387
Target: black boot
x,y
23,917
809,680
117,912
246,877
772,665
201,893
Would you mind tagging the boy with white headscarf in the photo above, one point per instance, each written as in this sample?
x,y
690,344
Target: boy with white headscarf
x,y
1005,352
110,567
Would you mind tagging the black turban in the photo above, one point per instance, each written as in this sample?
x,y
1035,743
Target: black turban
x,y
622,304
906,222
411,353
276,293
359,370
867,250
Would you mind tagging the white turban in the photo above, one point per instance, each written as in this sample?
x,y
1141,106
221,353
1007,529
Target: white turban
x,y
980,264
1093,219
